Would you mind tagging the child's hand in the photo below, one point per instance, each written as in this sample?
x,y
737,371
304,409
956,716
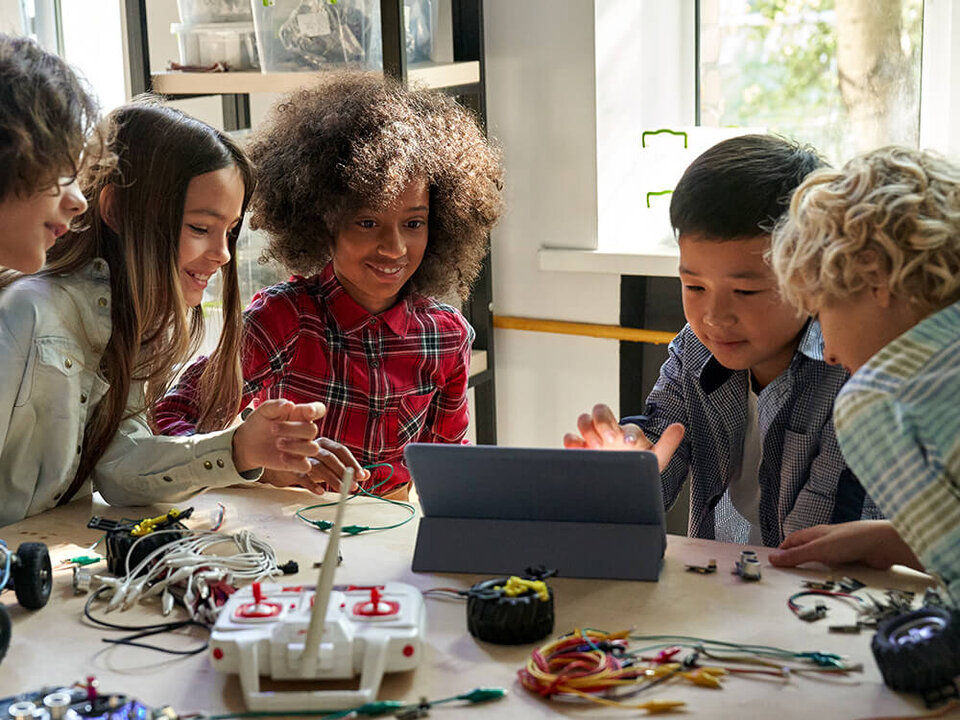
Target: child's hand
x,y
278,435
875,543
601,431
326,469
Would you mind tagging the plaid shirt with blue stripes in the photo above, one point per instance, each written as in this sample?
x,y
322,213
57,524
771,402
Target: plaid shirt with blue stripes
x,y
898,423
804,480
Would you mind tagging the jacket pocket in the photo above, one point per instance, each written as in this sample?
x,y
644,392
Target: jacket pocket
x,y
52,378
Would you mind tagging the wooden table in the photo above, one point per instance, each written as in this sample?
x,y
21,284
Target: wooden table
x,y
55,646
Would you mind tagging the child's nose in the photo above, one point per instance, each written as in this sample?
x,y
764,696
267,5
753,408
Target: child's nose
x,y
717,315
72,200
219,248
392,244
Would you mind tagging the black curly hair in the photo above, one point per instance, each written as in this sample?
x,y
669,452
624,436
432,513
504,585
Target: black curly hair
x,y
357,139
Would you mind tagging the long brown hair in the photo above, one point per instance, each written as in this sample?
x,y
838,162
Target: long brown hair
x,y
156,151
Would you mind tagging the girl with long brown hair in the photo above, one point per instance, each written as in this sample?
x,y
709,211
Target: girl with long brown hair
x,y
99,334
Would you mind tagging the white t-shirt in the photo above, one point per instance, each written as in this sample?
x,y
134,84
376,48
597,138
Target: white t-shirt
x,y
744,489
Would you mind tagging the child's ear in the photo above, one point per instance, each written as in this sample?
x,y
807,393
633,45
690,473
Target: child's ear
x,y
881,294
108,207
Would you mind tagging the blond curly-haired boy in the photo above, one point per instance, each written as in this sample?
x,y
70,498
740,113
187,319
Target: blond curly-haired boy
x,y
873,250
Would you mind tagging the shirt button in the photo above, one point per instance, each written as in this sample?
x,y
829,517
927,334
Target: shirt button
x,y
68,363
208,465
83,398
102,302
374,363
167,478
219,462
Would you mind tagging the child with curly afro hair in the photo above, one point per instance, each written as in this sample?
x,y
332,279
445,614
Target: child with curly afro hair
x,y
379,199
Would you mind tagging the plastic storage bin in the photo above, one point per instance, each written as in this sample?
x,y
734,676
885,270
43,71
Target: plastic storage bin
x,y
196,12
232,44
310,35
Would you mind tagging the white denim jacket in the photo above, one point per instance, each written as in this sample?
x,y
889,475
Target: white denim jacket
x,y
53,331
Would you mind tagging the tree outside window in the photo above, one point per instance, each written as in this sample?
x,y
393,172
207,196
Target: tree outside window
x,y
843,75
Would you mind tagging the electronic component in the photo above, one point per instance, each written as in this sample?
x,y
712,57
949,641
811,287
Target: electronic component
x,y
710,567
748,566
78,702
510,611
849,585
130,541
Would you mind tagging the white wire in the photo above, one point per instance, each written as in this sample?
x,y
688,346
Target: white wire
x,y
186,561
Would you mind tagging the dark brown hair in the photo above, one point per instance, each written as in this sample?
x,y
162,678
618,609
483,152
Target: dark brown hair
x,y
357,140
158,150
46,118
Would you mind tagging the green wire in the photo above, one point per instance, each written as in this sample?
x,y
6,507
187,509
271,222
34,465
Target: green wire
x,y
372,709
720,646
357,529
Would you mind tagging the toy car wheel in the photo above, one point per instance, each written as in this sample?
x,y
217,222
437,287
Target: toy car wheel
x,y
32,575
919,651
4,631
496,618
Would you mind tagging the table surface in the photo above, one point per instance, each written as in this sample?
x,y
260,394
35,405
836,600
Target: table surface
x,y
55,645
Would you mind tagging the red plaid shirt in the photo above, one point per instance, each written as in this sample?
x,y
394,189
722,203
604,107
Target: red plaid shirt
x,y
386,380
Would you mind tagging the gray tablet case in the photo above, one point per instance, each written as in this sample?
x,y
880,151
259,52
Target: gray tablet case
x,y
499,510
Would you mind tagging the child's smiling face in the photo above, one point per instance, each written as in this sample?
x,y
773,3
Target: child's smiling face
x,y
377,251
32,224
211,211
731,300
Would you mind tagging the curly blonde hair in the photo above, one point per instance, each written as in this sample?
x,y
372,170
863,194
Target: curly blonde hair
x,y
357,140
892,213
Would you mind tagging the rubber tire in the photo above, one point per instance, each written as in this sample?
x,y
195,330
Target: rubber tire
x,y
32,575
5,631
919,663
509,620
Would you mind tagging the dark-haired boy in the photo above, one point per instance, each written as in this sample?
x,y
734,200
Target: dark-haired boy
x,y
45,117
743,403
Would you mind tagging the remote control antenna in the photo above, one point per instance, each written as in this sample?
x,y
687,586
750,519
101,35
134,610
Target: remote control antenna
x,y
321,597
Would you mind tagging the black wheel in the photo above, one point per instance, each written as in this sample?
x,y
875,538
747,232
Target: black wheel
x,y
4,631
32,576
919,651
497,618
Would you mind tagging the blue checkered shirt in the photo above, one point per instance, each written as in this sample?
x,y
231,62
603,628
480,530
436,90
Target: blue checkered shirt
x,y
898,422
804,480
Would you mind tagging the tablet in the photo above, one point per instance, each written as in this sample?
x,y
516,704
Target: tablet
x,y
584,513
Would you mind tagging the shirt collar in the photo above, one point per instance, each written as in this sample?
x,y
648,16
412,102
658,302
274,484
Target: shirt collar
x,y
713,374
352,317
931,335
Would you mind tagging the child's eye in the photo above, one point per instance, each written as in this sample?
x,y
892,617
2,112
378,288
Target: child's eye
x,y
416,224
748,292
693,288
197,229
367,224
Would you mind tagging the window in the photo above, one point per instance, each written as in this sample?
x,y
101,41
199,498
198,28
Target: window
x,y
843,75
86,33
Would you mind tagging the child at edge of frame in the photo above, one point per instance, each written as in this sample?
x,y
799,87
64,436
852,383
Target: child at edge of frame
x,y
873,250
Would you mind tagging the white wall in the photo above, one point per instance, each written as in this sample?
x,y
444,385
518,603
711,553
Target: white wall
x,y
541,106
